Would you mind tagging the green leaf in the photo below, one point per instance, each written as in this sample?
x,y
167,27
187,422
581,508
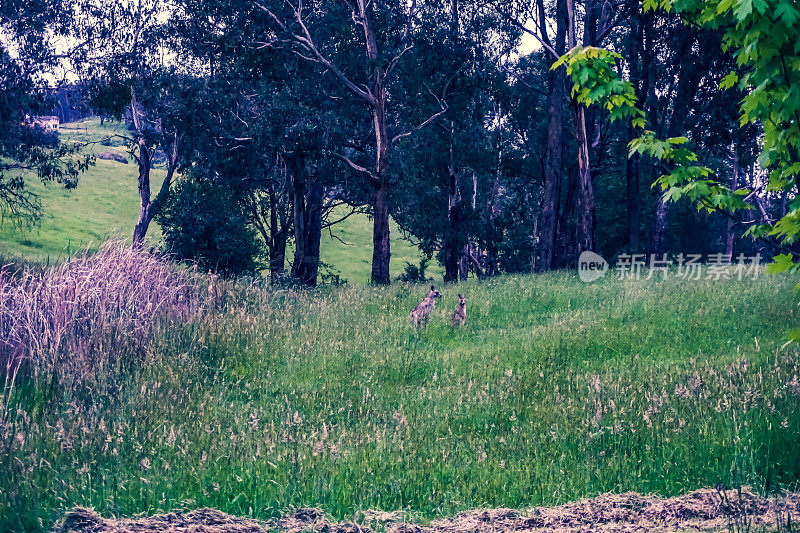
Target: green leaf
x,y
743,9
782,263
729,81
724,6
787,12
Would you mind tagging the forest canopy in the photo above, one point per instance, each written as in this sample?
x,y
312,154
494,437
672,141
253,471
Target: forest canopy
x,y
505,136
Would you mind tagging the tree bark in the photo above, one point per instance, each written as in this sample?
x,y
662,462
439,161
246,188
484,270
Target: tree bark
x,y
554,159
452,244
658,244
380,206
296,167
146,205
633,203
585,226
144,162
729,236
585,189
140,230
313,232
307,211
277,238
380,235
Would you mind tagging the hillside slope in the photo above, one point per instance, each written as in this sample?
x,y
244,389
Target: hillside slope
x,y
106,204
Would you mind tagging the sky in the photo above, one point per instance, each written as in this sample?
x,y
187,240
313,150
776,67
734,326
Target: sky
x,y
528,44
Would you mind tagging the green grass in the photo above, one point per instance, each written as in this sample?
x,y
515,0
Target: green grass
x,y
554,390
106,204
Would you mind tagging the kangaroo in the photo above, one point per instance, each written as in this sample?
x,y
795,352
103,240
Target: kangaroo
x,y
419,316
460,316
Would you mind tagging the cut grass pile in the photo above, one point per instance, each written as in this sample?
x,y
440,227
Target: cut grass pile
x,y
555,390
700,510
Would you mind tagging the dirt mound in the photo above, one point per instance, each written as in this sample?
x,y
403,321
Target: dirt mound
x,y
112,156
701,510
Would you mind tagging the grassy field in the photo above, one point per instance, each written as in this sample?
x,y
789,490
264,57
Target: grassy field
x,y
554,390
270,399
106,204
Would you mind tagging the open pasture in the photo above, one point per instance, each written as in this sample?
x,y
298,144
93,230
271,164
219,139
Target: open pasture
x,y
554,390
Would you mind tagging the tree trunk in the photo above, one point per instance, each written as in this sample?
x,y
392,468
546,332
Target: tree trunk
x,y
313,232
585,189
297,168
146,206
380,203
140,230
463,262
453,238
734,184
633,201
380,235
658,244
553,165
554,158
277,238
307,214
585,223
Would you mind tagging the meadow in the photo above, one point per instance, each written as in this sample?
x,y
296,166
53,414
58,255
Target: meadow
x,y
255,399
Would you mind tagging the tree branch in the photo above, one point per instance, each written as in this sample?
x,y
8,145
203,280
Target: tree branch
x,y
356,167
423,124
307,43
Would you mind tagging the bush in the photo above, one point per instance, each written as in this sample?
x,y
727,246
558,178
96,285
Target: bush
x,y
416,274
203,223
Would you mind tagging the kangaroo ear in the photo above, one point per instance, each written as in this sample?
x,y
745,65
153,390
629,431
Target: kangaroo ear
x,y
459,296
433,288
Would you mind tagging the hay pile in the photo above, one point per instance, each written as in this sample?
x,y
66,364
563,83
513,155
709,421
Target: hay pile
x,y
82,520
701,510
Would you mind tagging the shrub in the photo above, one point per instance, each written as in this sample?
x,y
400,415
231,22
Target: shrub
x,y
204,224
416,274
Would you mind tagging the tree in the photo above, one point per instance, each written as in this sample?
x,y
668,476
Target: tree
x,y
205,224
267,133
447,169
386,32
27,54
125,67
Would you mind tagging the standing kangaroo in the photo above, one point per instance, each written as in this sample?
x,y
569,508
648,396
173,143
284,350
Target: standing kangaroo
x,y
460,316
419,316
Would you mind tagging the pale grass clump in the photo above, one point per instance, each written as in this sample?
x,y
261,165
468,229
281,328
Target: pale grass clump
x,y
71,318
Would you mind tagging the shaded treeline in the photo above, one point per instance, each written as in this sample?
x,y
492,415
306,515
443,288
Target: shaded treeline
x,y
290,116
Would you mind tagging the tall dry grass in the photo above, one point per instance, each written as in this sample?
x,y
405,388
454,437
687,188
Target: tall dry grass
x,y
74,318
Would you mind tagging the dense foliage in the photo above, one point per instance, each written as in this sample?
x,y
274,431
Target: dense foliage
x,y
427,113
202,223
